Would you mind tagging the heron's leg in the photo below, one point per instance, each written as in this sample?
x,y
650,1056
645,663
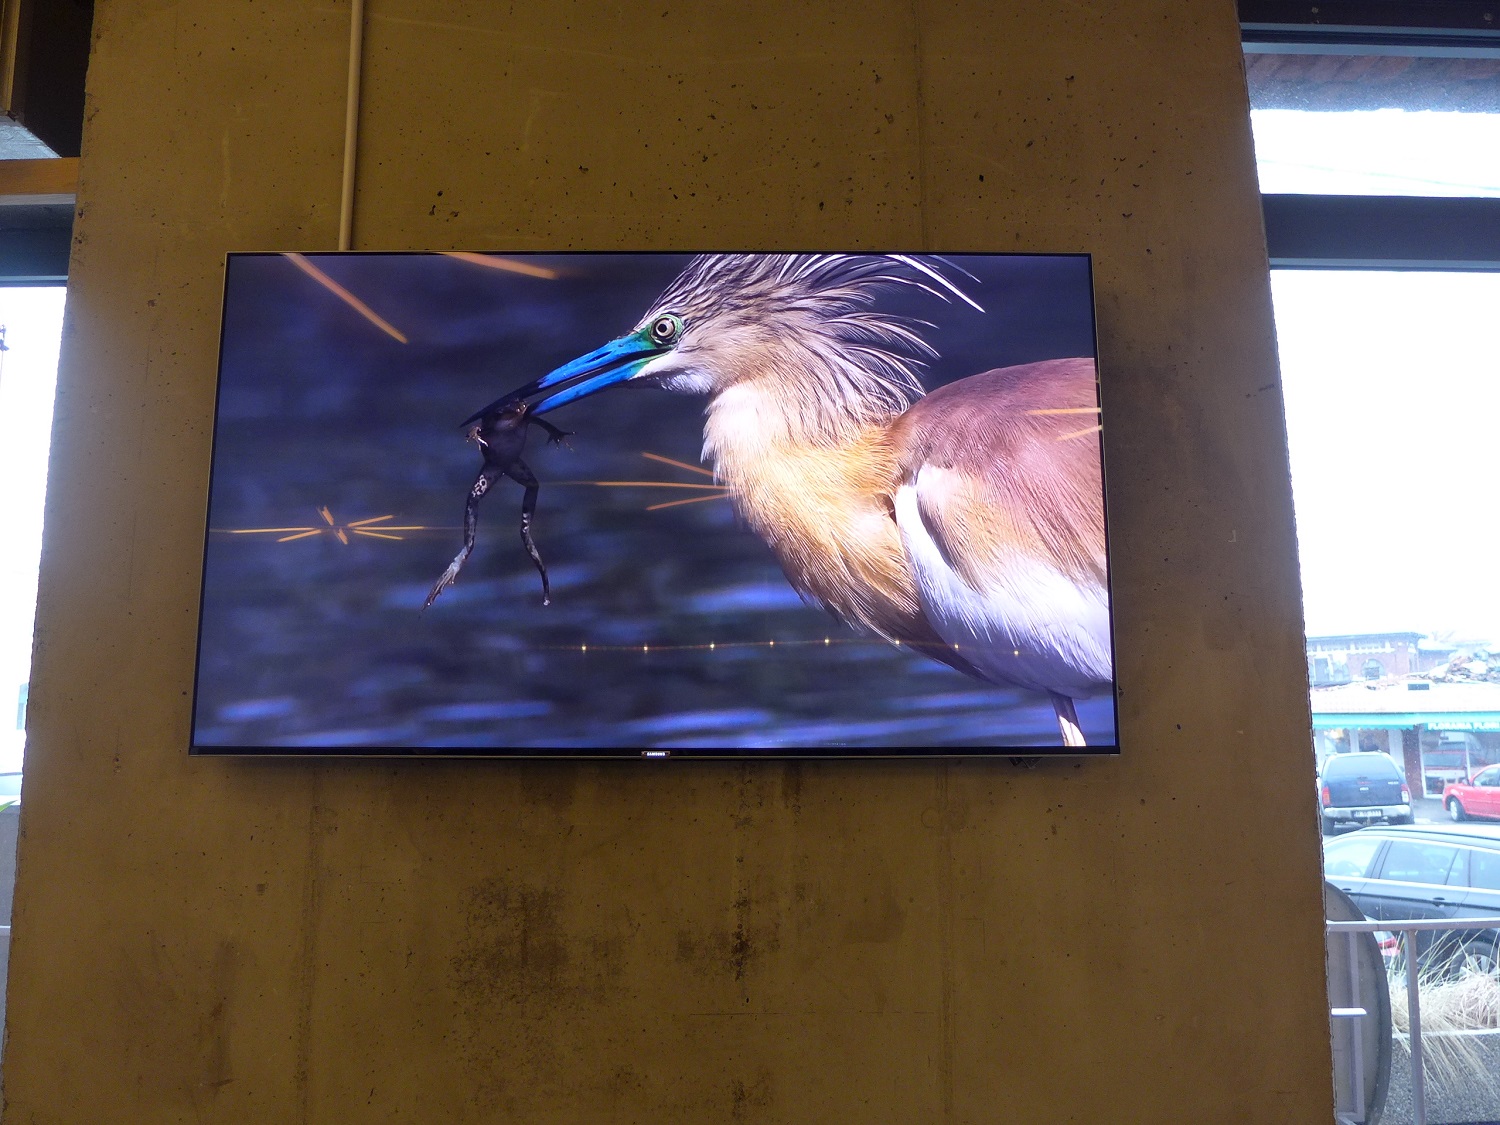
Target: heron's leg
x,y
519,473
1067,720
487,476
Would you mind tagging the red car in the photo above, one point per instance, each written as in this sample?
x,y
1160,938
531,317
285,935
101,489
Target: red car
x,y
1477,797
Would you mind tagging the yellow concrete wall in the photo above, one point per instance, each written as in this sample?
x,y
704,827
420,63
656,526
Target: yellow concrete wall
x,y
233,941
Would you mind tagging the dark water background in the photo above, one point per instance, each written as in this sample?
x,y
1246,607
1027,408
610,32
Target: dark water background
x,y
321,644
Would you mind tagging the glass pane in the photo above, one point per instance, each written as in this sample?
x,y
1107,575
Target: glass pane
x,y
1485,870
1376,124
1407,861
1392,386
1458,874
18,142
1350,857
32,321
1375,766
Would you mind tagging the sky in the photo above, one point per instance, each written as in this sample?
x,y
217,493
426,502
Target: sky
x,y
1377,152
32,317
1392,386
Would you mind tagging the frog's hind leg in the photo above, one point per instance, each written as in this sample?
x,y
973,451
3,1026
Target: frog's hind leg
x,y
471,529
521,474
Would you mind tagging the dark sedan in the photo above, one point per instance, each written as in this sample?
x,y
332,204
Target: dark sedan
x,y
1426,872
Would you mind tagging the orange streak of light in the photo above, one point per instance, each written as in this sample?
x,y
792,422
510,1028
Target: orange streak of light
x,y
358,527
1066,410
509,265
1079,433
344,539
347,297
679,464
689,500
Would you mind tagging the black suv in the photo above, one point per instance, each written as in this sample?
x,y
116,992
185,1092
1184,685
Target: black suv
x,y
1422,872
1362,789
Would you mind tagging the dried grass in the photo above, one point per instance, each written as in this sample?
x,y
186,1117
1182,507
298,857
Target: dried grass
x,y
1470,1003
1450,1007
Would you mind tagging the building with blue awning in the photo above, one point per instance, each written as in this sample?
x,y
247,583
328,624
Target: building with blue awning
x,y
1437,732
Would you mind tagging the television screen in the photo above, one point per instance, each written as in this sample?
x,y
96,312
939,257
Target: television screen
x,y
600,504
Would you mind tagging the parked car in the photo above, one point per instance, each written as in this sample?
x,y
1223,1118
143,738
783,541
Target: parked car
x,y
1363,788
1426,872
1479,796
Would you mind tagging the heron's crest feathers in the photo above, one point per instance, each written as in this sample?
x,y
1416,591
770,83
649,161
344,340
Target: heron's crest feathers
x,y
807,321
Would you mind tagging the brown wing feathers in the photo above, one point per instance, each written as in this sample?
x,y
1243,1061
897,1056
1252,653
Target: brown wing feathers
x,y
1021,468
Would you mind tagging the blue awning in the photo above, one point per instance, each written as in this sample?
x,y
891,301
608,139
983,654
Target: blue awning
x,y
1432,720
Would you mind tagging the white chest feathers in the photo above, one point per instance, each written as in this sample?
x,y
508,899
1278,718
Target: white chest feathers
x,y
1030,625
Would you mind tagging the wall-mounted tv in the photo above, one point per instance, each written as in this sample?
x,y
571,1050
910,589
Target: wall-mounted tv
x,y
626,504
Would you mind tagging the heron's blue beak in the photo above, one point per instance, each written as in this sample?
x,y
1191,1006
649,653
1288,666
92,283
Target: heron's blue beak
x,y
603,367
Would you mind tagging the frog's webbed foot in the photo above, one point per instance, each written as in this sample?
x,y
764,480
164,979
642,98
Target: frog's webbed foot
x,y
449,576
555,436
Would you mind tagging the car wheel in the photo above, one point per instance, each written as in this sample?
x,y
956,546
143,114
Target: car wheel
x,y
1328,826
1456,809
1477,957
1407,819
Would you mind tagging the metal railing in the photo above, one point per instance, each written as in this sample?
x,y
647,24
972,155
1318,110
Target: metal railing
x,y
1407,929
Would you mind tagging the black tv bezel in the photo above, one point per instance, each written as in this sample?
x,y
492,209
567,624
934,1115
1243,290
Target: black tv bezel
x,y
313,754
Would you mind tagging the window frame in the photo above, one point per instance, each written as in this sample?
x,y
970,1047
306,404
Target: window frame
x,y
1450,233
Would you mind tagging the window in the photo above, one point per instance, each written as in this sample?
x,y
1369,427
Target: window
x,y
31,317
1391,382
1458,874
1378,149
1350,856
1377,145
1410,861
30,331
1376,124
1360,766
1484,870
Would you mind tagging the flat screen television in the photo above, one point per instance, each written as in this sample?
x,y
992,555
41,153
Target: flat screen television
x,y
653,504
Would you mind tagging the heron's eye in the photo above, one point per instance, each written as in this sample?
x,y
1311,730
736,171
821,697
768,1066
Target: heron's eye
x,y
665,329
